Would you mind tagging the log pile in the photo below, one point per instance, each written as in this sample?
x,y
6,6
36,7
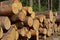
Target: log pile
x,y
19,22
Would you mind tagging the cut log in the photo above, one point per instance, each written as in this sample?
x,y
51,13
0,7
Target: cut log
x,y
49,32
6,8
46,23
30,21
25,8
16,6
51,16
36,24
14,26
5,22
33,15
23,31
22,15
10,35
1,32
43,31
41,18
55,28
30,10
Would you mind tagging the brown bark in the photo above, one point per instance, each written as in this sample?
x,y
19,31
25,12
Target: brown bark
x,y
7,8
5,22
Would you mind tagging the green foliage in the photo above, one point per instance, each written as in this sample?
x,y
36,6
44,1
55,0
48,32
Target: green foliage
x,y
44,4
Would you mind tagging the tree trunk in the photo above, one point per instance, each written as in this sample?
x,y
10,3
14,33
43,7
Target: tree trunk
x,y
48,5
31,3
59,5
39,4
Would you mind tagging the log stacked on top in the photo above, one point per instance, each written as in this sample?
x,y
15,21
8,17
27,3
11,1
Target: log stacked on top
x,y
21,23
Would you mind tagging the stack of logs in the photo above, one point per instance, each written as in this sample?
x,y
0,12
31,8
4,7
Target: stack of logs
x,y
19,22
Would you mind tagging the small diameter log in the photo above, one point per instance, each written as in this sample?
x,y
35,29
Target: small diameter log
x,y
51,16
30,10
25,8
36,24
5,9
30,21
23,31
41,18
33,15
43,31
5,22
46,23
55,28
22,15
33,32
49,32
1,32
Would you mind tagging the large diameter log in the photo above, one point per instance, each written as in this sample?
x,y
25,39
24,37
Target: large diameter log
x,y
16,6
7,8
33,15
5,22
10,35
1,32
